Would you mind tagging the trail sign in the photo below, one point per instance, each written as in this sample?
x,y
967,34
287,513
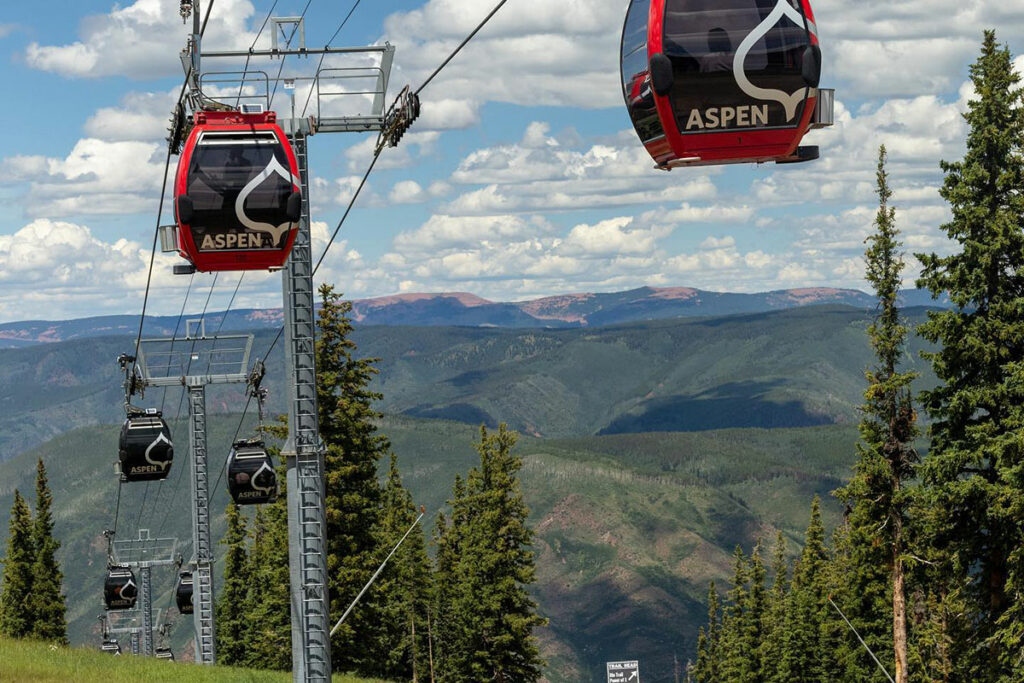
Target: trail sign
x,y
623,672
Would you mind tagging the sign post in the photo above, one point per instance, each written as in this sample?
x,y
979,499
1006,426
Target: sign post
x,y
623,672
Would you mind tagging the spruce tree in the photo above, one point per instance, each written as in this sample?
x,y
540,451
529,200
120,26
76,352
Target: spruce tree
x,y
46,606
974,470
353,493
774,620
16,590
268,636
734,658
708,667
447,533
878,496
495,614
402,592
802,656
233,618
754,618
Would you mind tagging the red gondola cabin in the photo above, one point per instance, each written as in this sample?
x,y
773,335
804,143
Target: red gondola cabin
x,y
723,81
237,193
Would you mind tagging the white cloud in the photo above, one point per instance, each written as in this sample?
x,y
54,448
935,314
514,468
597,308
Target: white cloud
x,y
611,237
407,192
56,269
450,232
140,116
561,53
140,40
97,177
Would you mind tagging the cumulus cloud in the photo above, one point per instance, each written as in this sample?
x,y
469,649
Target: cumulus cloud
x,y
406,192
57,269
543,173
611,237
139,116
140,40
97,177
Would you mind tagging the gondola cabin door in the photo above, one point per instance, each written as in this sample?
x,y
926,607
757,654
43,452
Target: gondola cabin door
x,y
237,193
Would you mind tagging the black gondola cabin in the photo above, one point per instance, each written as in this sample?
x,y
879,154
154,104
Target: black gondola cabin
x,y
251,476
183,593
723,81
145,448
120,590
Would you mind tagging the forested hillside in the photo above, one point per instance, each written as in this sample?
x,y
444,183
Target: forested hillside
x,y
629,528
789,368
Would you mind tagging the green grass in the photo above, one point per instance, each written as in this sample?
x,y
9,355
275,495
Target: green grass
x,y
40,663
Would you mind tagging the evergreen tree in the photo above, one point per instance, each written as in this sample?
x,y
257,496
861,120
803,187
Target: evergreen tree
x,y
447,533
402,592
974,469
353,493
45,603
233,618
494,613
734,656
877,496
268,636
774,620
754,618
15,617
708,668
802,656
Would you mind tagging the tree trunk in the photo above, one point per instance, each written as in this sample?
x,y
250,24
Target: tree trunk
x,y
412,623
899,608
430,647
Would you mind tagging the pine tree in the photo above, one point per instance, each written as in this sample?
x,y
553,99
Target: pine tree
x,y
353,493
402,592
45,603
494,613
15,592
878,499
975,468
233,618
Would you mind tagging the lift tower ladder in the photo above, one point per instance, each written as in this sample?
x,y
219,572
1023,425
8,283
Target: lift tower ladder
x,y
194,362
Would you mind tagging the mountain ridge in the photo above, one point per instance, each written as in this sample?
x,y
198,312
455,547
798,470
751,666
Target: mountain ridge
x,y
464,309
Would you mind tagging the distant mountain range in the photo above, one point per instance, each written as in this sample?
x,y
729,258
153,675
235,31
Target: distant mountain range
x,y
462,309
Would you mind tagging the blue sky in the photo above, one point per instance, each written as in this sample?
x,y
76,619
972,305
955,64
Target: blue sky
x,y
522,179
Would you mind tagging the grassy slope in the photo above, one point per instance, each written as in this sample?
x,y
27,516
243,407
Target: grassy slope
x,y
40,663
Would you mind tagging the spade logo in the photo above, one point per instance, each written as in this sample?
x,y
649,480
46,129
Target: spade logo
x,y
269,478
276,232
158,440
128,587
789,101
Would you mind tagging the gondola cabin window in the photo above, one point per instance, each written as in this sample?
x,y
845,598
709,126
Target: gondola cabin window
x,y
736,64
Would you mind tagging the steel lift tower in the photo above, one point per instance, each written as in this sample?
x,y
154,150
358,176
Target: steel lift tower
x,y
335,91
195,362
144,553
